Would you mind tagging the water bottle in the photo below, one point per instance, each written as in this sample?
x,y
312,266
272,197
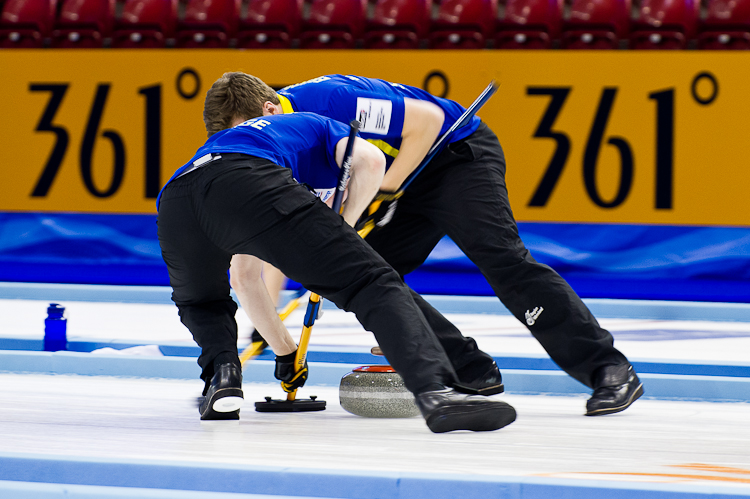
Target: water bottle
x,y
54,329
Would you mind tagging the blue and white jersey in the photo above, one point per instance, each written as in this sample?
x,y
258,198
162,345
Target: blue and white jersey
x,y
377,104
302,142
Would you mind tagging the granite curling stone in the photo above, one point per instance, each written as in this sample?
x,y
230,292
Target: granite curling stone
x,y
376,392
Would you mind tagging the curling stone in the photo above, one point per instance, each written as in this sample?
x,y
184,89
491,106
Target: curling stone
x,y
376,392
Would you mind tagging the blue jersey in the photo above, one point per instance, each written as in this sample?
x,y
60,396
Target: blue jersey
x,y
302,142
377,104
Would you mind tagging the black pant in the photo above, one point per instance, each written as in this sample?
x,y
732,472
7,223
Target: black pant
x,y
245,205
462,193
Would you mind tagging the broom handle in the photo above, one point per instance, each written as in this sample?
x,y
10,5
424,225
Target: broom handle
x,y
304,339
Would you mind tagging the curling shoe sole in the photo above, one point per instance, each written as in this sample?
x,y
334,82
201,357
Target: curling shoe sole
x,y
227,404
448,410
478,419
224,404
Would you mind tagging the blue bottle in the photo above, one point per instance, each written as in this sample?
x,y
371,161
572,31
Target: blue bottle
x,y
55,326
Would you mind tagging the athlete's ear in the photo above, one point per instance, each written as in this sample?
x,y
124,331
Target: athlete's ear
x,y
269,109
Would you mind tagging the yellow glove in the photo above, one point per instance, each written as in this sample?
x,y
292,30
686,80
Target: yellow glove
x,y
290,380
380,212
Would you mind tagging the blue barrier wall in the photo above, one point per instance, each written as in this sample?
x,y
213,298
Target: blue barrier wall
x,y
693,263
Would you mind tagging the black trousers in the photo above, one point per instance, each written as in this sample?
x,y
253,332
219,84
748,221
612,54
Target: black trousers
x,y
245,205
462,193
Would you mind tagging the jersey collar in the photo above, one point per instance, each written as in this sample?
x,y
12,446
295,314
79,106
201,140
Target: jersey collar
x,y
286,106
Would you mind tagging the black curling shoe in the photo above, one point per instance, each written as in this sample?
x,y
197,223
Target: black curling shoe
x,y
616,388
490,383
257,339
224,396
448,410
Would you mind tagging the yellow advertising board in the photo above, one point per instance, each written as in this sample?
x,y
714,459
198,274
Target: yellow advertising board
x,y
625,136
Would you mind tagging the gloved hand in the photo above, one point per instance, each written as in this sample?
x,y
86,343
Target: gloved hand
x,y
380,211
290,380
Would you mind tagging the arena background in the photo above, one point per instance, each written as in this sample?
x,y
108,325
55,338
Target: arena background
x,y
627,170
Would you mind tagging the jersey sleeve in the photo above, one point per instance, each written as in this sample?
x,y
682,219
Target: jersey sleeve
x,y
379,112
335,131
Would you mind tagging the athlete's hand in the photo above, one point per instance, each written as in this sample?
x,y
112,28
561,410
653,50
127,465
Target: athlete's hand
x,y
380,212
290,380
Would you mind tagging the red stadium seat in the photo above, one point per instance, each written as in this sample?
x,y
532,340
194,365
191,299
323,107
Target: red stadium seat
x,y
208,24
83,23
727,26
398,24
334,24
26,23
529,24
270,24
145,24
665,24
465,24
596,24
